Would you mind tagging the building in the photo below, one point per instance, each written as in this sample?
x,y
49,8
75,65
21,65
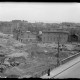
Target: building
x,y
74,37
28,37
54,36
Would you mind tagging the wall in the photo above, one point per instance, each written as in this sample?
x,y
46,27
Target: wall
x,y
28,37
52,37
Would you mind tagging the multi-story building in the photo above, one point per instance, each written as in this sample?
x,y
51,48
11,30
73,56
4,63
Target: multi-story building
x,y
54,36
28,37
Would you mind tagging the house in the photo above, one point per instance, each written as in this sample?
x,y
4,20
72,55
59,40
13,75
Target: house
x,y
54,36
74,37
28,37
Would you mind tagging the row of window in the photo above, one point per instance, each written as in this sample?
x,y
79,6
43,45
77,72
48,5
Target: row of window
x,y
49,38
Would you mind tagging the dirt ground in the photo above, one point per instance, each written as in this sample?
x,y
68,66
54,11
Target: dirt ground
x,y
37,57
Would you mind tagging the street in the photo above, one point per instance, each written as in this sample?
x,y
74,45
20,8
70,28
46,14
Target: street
x,y
68,70
72,72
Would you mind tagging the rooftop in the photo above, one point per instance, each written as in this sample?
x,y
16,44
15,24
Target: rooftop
x,y
56,31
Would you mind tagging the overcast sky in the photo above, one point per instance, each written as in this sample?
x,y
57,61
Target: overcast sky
x,y
43,12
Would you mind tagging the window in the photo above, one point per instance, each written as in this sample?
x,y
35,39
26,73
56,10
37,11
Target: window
x,y
43,38
28,36
50,37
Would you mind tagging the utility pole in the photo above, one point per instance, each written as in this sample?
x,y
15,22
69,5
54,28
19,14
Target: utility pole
x,y
58,39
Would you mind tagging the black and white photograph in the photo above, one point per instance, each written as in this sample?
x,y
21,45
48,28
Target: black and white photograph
x,y
39,40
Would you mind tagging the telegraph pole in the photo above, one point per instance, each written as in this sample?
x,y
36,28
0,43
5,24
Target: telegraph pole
x,y
58,39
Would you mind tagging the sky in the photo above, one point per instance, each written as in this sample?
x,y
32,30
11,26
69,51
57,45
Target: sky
x,y
40,12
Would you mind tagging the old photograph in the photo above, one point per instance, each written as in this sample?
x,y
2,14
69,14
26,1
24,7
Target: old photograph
x,y
39,40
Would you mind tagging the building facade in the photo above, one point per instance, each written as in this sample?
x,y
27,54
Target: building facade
x,y
28,37
54,36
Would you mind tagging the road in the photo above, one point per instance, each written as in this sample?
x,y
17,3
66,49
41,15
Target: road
x,y
70,69
72,72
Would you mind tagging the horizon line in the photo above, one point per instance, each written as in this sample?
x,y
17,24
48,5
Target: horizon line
x,y
38,21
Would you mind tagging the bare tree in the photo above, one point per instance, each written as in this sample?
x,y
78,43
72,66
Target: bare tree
x,y
58,49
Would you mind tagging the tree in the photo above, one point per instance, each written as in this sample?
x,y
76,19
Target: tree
x,y
16,33
39,38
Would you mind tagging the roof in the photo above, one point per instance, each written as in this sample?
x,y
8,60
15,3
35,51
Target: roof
x,y
33,33
56,32
28,31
